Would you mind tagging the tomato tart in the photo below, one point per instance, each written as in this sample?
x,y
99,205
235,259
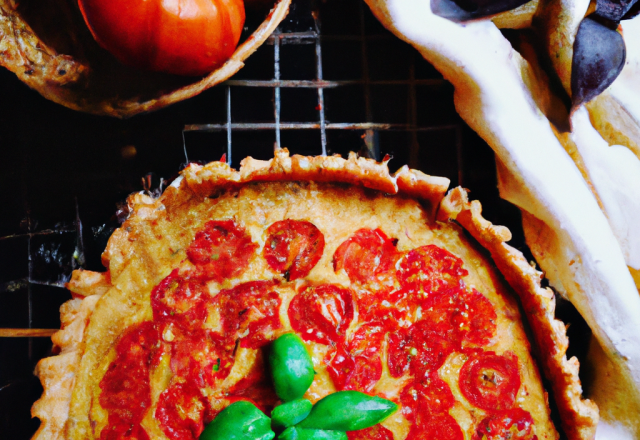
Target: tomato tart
x,y
381,276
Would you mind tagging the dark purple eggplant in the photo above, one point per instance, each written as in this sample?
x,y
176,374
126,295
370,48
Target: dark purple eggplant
x,y
598,58
613,10
464,10
633,11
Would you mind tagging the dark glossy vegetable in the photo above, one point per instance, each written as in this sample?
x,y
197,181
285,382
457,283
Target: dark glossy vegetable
x,y
290,413
613,10
465,10
239,421
291,367
311,434
348,411
598,58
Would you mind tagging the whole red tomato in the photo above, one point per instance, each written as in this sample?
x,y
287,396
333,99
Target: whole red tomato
x,y
184,37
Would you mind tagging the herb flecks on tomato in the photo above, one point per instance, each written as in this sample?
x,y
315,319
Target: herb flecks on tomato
x,y
358,366
180,300
322,313
221,250
200,357
514,424
293,248
184,37
430,270
490,381
180,411
427,396
368,257
250,312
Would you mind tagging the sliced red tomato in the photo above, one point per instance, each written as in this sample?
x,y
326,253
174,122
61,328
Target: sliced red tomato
x,y
200,357
490,381
127,376
376,432
399,352
418,349
430,395
250,312
476,318
438,426
121,430
180,411
322,313
514,424
359,366
293,248
221,250
180,300
430,270
368,257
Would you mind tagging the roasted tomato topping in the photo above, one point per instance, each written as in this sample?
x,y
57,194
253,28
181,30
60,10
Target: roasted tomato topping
x,y
322,313
377,432
222,250
430,269
199,357
180,300
180,411
368,257
428,396
447,321
439,426
418,349
490,381
358,367
123,431
476,318
460,316
250,312
293,248
513,424
126,392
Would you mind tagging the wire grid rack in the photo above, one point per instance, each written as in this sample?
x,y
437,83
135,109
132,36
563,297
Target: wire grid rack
x,y
330,80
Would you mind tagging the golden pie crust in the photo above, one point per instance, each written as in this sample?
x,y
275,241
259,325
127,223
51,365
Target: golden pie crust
x,y
339,196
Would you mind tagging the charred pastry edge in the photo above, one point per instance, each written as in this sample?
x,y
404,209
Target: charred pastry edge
x,y
34,75
579,416
57,373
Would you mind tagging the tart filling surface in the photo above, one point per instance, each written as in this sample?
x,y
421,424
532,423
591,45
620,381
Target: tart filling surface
x,y
388,301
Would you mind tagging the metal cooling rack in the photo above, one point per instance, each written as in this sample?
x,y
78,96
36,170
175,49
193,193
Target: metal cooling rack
x,y
330,80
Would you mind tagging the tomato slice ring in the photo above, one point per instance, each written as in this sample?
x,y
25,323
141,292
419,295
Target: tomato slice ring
x,y
368,257
490,381
250,312
430,270
180,300
322,313
359,367
515,424
293,248
180,411
221,250
428,396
